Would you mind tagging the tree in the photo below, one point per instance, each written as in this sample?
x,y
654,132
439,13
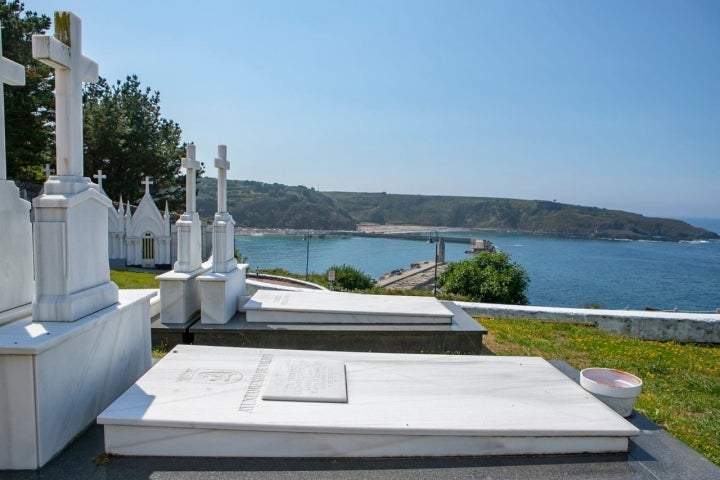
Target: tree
x,y
488,277
29,109
350,278
127,138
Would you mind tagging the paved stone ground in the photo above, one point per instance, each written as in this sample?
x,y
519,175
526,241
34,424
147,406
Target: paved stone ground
x,y
654,455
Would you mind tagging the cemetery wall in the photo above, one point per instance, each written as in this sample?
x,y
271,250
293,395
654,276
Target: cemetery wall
x,y
646,325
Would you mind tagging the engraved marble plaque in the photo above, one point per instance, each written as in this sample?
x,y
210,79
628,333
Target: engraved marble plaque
x,y
302,380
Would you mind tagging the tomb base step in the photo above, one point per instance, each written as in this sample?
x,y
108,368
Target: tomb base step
x,y
268,306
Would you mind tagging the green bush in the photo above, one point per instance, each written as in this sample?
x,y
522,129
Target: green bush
x,y
488,277
349,278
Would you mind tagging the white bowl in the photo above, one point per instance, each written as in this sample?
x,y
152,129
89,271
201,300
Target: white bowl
x,y
615,388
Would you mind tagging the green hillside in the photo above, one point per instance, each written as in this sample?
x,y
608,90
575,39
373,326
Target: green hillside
x,y
531,216
264,205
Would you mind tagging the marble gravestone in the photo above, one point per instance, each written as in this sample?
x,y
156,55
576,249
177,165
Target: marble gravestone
x,y
238,402
71,249
100,177
179,288
85,342
223,289
188,226
16,256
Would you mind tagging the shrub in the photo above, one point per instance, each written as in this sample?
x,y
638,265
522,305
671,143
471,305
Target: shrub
x,y
349,278
488,277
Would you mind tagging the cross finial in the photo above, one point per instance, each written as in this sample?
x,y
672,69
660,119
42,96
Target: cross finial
x,y
99,177
63,52
48,171
222,164
190,165
13,74
147,184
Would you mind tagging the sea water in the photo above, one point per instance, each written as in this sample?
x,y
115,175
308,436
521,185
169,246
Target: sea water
x,y
563,272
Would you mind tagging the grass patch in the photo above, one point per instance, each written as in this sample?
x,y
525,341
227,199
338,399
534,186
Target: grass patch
x,y
681,382
125,279
102,458
159,351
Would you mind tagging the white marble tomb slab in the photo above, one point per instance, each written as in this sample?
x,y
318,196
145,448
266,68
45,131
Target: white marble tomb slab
x,y
207,401
55,377
268,306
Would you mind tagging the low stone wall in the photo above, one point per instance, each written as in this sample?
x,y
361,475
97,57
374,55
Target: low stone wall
x,y
662,326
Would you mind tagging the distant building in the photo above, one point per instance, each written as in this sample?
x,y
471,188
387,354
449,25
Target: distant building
x,y
145,237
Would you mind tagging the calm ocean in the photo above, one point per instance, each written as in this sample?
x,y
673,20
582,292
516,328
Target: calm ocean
x,y
563,272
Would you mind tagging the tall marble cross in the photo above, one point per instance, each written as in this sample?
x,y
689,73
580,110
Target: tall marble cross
x,y
99,177
13,74
223,166
147,184
48,171
190,165
63,52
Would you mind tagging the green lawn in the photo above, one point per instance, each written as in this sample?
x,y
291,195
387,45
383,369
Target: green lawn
x,y
681,383
125,279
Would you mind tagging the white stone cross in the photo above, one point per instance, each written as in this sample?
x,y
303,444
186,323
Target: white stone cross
x,y
13,74
190,165
99,177
147,184
48,171
63,52
223,166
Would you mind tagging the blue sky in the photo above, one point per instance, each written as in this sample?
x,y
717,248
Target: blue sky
x,y
610,103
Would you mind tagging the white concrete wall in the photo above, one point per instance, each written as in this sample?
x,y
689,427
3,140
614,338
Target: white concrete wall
x,y
647,325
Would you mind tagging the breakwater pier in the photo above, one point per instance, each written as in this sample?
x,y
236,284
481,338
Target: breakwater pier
x,y
418,236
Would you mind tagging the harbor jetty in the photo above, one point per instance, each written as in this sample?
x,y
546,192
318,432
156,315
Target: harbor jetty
x,y
420,276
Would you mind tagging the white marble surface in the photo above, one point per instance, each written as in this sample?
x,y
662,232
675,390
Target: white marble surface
x,y
338,307
189,246
306,380
223,238
207,401
223,225
71,69
220,293
72,274
180,295
56,376
71,223
16,254
189,228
